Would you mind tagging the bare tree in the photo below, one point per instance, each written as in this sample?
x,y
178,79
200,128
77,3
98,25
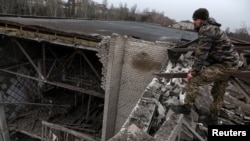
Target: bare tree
x,y
53,8
29,6
105,3
81,9
71,8
7,6
241,33
123,11
132,13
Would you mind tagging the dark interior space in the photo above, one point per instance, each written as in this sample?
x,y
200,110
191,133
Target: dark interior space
x,y
64,87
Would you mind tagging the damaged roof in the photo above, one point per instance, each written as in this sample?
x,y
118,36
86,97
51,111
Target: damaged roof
x,y
161,93
145,31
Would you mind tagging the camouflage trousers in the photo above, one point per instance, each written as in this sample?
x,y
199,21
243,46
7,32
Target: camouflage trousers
x,y
216,74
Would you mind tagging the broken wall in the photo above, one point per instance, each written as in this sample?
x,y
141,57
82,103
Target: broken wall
x,y
130,67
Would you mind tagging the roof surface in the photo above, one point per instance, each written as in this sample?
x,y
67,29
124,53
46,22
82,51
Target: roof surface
x,y
145,31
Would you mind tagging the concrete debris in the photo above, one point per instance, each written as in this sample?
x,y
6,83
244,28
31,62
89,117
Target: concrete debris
x,y
132,133
171,91
161,111
154,84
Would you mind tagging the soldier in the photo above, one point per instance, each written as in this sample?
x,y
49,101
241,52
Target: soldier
x,y
215,60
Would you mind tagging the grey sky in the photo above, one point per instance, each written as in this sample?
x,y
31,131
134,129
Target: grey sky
x,y
230,13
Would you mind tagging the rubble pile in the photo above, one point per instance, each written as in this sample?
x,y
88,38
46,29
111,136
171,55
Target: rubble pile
x,y
235,109
154,119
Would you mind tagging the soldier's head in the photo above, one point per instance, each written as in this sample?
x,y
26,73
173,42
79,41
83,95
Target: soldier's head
x,y
199,16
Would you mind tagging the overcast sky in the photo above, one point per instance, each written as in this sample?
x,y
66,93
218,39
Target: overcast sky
x,y
230,13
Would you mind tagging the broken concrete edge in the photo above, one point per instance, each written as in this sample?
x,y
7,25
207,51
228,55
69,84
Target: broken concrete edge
x,y
133,133
102,53
141,116
145,105
171,128
143,112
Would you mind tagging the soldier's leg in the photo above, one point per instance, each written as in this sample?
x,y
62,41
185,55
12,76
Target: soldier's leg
x,y
218,91
192,91
207,76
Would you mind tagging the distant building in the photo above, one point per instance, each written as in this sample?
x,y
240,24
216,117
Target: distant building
x,y
186,25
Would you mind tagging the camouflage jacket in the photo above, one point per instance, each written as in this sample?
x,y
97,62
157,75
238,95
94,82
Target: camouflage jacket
x,y
214,47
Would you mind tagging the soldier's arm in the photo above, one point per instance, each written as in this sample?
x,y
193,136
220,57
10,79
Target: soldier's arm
x,y
206,35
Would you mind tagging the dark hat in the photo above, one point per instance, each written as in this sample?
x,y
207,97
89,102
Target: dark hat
x,y
201,13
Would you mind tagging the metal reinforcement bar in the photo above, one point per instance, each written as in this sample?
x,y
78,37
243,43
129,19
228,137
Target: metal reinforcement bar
x,y
48,129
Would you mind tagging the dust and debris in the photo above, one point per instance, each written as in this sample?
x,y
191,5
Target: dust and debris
x,y
144,62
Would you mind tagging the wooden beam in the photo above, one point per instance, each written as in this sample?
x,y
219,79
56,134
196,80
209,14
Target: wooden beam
x,y
239,74
192,131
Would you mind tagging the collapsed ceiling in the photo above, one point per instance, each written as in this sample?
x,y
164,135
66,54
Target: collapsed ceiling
x,y
61,61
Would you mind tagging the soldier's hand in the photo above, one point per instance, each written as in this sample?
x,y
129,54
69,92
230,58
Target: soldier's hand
x,y
189,75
